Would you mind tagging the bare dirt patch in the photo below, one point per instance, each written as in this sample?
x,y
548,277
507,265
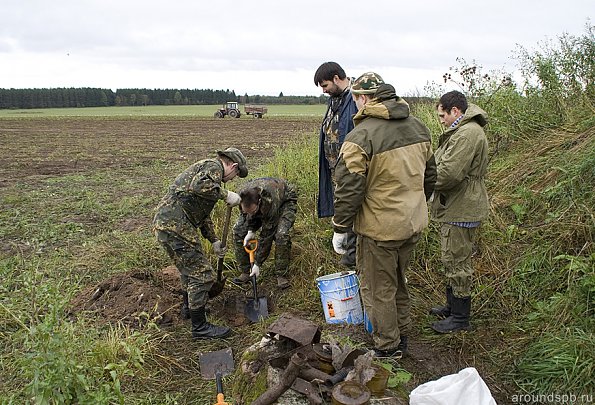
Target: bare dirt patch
x,y
137,297
38,148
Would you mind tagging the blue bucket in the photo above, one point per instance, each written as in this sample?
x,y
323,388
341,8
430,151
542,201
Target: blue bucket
x,y
339,293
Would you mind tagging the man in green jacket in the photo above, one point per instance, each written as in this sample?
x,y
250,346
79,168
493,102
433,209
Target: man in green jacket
x,y
185,209
385,174
460,202
269,205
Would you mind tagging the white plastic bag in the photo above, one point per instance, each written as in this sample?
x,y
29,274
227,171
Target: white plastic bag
x,y
464,388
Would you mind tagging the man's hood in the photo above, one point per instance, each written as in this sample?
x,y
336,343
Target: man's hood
x,y
385,105
476,114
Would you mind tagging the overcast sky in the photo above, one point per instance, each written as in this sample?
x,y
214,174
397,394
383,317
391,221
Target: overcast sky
x,y
267,46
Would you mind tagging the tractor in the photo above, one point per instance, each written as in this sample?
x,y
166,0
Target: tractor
x,y
230,108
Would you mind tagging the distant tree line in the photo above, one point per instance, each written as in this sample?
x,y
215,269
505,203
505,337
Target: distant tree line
x,y
95,97
281,99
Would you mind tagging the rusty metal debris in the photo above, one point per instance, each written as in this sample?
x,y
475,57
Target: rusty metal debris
x,y
311,367
299,330
296,363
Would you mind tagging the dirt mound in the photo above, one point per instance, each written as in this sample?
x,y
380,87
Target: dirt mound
x,y
133,298
137,297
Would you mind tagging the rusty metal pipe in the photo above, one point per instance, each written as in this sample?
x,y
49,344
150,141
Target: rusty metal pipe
x,y
310,373
291,372
338,376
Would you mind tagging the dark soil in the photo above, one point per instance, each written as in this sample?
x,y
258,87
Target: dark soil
x,y
135,298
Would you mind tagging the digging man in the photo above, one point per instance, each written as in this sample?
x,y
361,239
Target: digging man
x,y
268,204
184,210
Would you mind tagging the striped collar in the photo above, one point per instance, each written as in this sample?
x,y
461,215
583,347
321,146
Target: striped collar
x,y
456,122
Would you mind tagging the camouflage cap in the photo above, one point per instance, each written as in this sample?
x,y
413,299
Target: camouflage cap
x,y
367,83
237,157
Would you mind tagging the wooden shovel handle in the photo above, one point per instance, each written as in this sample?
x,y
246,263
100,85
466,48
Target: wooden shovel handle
x,y
226,227
223,243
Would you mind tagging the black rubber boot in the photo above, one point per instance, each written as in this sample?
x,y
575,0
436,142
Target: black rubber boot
x,y
458,319
184,310
403,345
201,329
396,353
443,311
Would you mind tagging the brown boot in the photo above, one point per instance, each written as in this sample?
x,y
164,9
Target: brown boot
x,y
242,279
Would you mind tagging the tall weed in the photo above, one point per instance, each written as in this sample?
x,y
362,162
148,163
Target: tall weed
x,y
537,257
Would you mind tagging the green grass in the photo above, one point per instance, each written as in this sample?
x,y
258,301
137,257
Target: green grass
x,y
157,111
536,285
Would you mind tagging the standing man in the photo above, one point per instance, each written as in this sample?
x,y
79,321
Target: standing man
x,y
338,121
385,174
270,205
460,202
184,210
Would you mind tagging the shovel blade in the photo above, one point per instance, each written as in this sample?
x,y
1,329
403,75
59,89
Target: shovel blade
x,y
216,363
256,309
217,288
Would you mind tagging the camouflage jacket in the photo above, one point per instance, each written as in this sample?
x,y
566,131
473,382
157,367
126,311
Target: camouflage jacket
x,y
462,163
386,171
190,200
341,122
276,197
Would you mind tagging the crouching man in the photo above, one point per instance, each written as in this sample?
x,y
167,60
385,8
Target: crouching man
x,y
268,205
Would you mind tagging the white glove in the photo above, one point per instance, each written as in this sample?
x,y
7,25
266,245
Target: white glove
x,y
255,270
339,241
232,199
249,236
218,249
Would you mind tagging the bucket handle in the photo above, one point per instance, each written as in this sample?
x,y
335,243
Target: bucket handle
x,y
342,299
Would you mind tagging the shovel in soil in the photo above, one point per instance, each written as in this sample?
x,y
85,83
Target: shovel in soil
x,y
257,307
218,285
216,365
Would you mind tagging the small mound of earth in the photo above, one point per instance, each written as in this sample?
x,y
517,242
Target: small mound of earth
x,y
133,298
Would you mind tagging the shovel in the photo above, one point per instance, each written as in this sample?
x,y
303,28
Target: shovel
x,y
257,307
215,365
218,285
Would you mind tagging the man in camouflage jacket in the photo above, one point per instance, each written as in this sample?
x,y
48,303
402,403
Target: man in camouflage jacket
x,y
460,202
385,174
268,204
184,210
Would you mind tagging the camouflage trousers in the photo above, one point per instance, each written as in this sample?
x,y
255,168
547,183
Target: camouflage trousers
x,y
279,233
381,267
196,273
456,248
